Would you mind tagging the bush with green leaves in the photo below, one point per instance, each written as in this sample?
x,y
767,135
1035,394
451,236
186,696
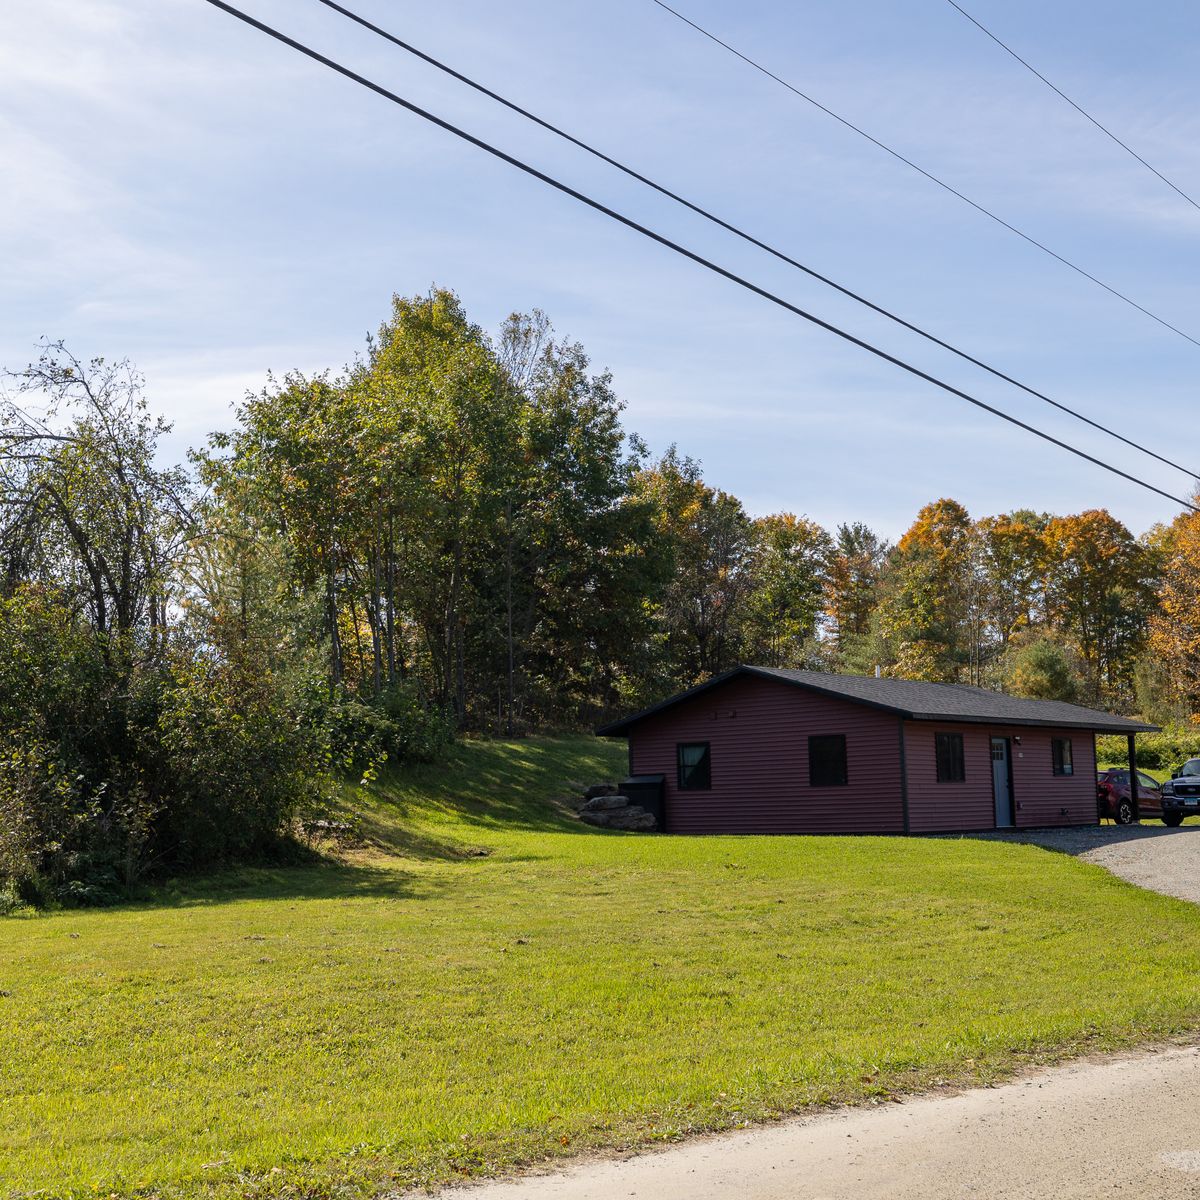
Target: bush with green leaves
x,y
39,809
115,764
1163,751
1041,669
420,732
399,729
59,733
237,763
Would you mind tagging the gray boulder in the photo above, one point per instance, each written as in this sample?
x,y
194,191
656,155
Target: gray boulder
x,y
604,802
630,818
633,819
599,789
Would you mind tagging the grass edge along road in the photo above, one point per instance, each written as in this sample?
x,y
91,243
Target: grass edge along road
x,y
488,983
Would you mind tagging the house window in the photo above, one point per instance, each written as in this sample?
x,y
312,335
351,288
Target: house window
x,y
695,767
1060,756
827,760
949,750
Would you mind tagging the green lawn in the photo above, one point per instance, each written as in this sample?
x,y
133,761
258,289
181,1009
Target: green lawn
x,y
492,983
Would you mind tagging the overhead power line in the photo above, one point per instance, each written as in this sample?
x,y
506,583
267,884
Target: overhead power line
x,y
908,162
663,240
741,233
1108,133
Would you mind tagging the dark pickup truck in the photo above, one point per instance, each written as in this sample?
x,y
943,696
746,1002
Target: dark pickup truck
x,y
1181,793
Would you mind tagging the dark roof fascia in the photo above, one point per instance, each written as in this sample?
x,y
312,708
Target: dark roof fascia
x,y
1039,723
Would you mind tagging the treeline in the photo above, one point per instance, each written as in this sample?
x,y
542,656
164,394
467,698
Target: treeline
x,y
477,522
456,533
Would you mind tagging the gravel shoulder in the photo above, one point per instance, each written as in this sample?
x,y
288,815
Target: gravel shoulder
x,y
1071,1133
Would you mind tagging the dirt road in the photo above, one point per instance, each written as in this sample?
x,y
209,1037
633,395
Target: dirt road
x,y
1120,1128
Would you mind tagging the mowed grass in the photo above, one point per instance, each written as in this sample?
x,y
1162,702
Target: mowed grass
x,y
490,983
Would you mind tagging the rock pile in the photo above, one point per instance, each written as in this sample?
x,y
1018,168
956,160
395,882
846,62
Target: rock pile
x,y
602,805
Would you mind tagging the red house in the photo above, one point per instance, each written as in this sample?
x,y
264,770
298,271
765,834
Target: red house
x,y
760,750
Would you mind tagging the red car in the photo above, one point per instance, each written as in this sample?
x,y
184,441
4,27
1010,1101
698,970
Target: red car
x,y
1115,801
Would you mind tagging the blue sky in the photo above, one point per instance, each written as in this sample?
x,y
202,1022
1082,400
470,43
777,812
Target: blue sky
x,y
177,189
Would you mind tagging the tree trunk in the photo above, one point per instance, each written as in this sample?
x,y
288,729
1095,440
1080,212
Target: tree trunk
x,y
335,640
508,612
455,685
375,616
390,589
356,625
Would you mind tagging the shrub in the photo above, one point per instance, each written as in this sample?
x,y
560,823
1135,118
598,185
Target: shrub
x,y
1156,751
401,729
358,737
38,809
1042,670
237,764
111,768
421,733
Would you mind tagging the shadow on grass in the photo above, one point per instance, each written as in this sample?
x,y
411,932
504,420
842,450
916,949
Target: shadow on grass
x,y
381,829
425,812
314,878
522,786
327,880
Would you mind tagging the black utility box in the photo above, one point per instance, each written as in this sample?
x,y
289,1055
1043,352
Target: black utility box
x,y
646,791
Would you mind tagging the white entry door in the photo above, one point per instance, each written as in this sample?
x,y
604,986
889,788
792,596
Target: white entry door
x,y
1002,783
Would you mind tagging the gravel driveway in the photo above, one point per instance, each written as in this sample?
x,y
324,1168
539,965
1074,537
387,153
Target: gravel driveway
x,y
1152,856
1077,1132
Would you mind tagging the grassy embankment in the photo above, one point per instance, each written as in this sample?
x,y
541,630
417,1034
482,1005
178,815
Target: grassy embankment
x,y
489,982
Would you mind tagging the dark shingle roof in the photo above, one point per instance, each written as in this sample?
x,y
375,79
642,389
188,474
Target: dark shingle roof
x,y
917,701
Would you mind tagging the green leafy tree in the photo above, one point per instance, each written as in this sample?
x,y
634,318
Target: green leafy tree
x,y
787,594
1013,564
927,612
710,547
568,592
439,379
84,504
1042,669
852,592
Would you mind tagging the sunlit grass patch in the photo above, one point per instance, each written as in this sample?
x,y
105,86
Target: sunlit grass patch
x,y
488,982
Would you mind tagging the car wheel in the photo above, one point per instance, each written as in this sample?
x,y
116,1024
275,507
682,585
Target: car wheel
x,y
1172,818
1124,812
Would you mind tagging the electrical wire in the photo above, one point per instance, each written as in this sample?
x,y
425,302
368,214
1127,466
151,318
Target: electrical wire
x,y
908,162
1108,133
663,240
741,233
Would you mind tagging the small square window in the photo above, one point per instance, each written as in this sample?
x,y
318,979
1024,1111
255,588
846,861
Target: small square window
x,y
1060,756
827,760
948,748
695,767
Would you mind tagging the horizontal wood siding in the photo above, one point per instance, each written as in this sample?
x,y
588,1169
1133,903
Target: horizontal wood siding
x,y
758,730
938,807
1041,795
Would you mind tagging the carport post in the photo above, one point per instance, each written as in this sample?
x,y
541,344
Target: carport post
x,y
1133,780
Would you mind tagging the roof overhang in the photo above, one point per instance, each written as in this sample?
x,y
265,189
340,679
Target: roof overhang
x,y
1128,726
